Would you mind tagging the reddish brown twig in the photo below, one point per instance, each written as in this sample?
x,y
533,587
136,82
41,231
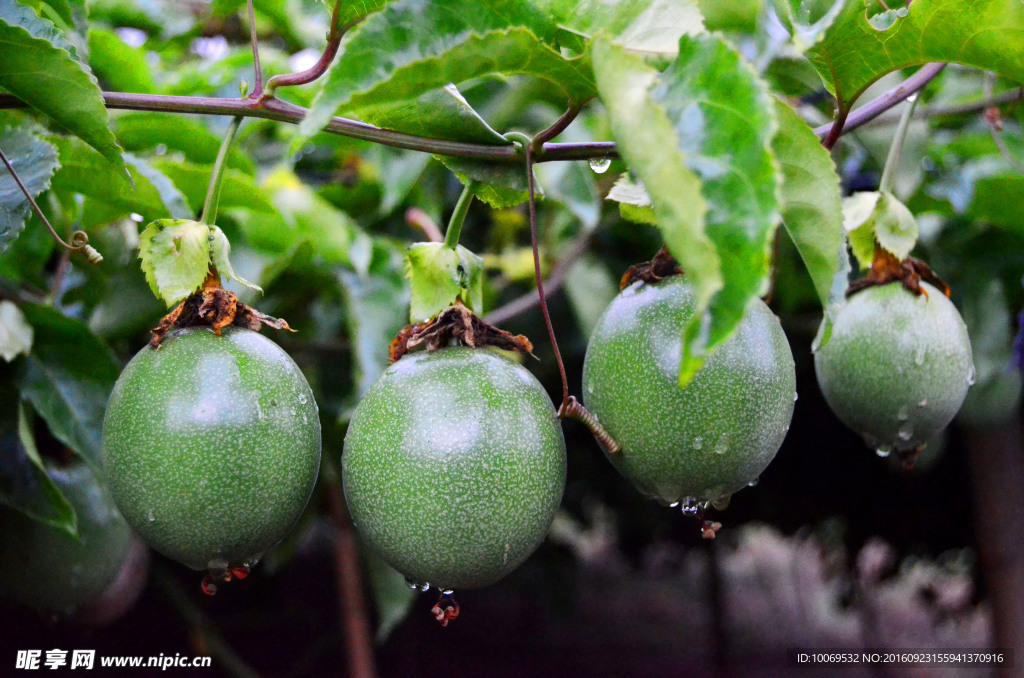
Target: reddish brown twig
x,y
320,67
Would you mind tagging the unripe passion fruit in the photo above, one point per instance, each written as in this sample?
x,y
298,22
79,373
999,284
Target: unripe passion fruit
x,y
897,365
454,464
710,438
47,569
212,445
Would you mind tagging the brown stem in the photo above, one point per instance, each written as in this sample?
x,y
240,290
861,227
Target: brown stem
x,y
320,67
79,240
847,122
558,126
282,111
996,464
359,640
257,88
537,275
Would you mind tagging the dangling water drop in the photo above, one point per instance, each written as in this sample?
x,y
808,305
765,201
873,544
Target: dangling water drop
x,y
425,587
412,583
600,165
971,376
673,505
690,506
906,431
883,451
754,482
923,403
698,443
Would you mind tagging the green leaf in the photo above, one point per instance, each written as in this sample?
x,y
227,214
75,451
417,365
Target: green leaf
x,y
175,257
236,189
414,46
438,275
68,378
35,161
811,207
301,216
83,171
895,227
15,332
649,26
42,69
121,66
985,34
731,15
28,488
439,114
141,131
807,20
220,249
500,185
649,143
634,202
857,211
707,116
391,594
375,310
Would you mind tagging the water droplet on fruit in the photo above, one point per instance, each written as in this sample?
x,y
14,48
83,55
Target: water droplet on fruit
x,y
302,398
150,517
600,165
259,412
971,376
698,443
425,587
906,431
691,506
294,411
412,583
722,446
883,451
754,482
903,413
796,396
919,356
923,403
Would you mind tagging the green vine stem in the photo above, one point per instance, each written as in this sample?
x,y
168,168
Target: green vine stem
x,y
451,235
209,214
892,161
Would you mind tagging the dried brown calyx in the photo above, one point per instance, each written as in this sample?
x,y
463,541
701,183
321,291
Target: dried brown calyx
x,y
215,307
886,268
662,266
455,323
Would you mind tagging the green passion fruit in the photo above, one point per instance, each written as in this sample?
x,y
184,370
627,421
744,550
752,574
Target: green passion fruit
x,y
212,446
47,569
453,466
703,442
897,365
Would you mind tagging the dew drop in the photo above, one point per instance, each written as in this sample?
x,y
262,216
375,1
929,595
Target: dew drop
x,y
906,432
160,149
690,506
425,587
971,376
448,592
412,583
754,482
600,165
673,504
302,398
150,517
722,446
919,356
903,413
796,396
883,451
698,443
923,403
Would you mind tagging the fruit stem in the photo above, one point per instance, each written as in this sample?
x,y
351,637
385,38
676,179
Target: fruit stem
x,y
896,150
451,235
209,213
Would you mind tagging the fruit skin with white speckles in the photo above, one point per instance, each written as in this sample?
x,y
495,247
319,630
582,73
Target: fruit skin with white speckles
x,y
897,366
49,570
212,446
454,464
710,438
